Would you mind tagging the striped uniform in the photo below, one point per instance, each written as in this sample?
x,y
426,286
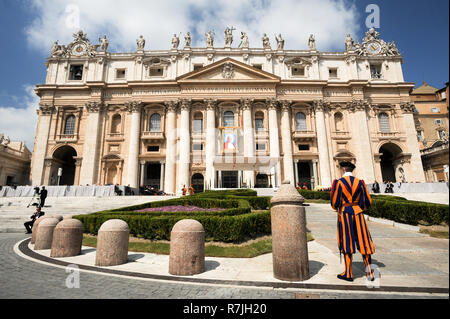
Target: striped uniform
x,y
350,197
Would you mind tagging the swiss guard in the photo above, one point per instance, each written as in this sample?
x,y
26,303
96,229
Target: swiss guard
x,y
350,197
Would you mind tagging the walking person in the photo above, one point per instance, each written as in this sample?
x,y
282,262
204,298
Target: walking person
x,y
34,217
42,196
350,197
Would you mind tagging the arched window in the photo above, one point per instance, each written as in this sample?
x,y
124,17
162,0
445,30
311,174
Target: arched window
x,y
339,122
228,119
116,124
300,122
198,122
383,119
69,125
155,123
259,121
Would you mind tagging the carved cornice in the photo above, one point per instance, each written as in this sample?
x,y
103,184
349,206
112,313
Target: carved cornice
x,y
171,106
133,106
246,104
272,104
408,108
46,109
94,107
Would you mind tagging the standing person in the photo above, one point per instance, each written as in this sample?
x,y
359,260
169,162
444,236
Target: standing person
x,y
376,187
34,217
42,196
350,197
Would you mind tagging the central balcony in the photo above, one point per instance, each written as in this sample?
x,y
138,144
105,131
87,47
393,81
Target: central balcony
x,y
304,135
153,135
66,138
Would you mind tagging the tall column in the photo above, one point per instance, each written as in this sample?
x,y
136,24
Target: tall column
x,y
286,139
274,141
325,172
185,145
416,173
249,140
210,149
142,179
88,175
40,147
316,175
296,172
365,165
161,183
133,150
169,184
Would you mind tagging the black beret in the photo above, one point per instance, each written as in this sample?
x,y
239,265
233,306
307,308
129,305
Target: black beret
x,y
347,164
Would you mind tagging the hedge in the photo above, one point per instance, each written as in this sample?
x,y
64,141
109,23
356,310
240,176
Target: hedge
x,y
397,208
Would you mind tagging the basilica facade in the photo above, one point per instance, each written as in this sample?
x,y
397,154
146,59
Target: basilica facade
x,y
226,117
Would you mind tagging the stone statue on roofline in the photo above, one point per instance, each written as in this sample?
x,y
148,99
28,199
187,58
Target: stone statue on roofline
x,y
280,42
58,50
187,40
312,43
349,43
229,37
140,43
209,39
104,43
175,42
244,41
266,42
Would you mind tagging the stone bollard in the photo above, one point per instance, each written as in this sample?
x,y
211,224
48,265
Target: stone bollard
x,y
37,222
67,238
112,243
289,237
44,236
187,248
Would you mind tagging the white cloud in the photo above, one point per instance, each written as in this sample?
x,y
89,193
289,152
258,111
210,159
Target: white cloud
x,y
20,123
124,20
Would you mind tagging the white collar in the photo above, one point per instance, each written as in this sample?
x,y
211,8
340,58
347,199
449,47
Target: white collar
x,y
348,174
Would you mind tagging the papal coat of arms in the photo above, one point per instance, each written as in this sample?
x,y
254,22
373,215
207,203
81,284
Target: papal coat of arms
x,y
228,71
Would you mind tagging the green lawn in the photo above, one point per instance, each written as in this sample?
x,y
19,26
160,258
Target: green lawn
x,y
254,248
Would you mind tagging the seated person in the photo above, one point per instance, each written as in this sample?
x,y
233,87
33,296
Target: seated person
x,y
117,190
34,217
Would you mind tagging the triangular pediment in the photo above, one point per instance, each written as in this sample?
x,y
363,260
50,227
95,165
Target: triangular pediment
x,y
228,70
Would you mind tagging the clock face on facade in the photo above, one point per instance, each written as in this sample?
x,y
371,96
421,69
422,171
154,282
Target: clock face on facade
x,y
79,49
373,48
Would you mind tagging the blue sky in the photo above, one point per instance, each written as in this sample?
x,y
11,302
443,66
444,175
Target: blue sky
x,y
419,28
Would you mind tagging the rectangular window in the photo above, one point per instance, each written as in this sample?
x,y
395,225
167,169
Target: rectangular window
x,y
153,148
303,147
419,135
261,147
198,126
333,73
298,71
375,71
156,71
435,110
259,125
257,66
120,74
197,147
197,66
438,122
76,72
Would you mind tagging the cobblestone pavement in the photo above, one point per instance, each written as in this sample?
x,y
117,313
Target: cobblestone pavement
x,y
23,278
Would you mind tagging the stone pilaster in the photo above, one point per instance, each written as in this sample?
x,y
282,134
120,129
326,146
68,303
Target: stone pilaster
x,y
249,139
210,142
286,138
274,141
88,174
169,185
185,146
40,149
324,163
364,165
416,173
134,107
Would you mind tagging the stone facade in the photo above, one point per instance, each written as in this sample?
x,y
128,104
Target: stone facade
x,y
224,117
15,160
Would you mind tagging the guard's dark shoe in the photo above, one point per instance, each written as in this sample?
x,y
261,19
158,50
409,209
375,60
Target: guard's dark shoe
x,y
28,232
344,278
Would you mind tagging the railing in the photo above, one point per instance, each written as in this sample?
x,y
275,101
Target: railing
x,y
340,135
62,138
388,135
153,135
304,134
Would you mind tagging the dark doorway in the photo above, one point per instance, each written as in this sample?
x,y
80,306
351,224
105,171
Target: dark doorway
x,y
229,179
262,181
389,152
304,174
9,180
153,176
65,159
197,182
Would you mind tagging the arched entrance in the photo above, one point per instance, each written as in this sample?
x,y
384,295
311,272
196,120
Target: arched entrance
x,y
262,181
390,154
198,182
112,169
64,157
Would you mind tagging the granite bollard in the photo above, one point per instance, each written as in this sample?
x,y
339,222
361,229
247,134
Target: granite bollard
x,y
187,248
67,238
289,236
112,243
44,236
37,222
